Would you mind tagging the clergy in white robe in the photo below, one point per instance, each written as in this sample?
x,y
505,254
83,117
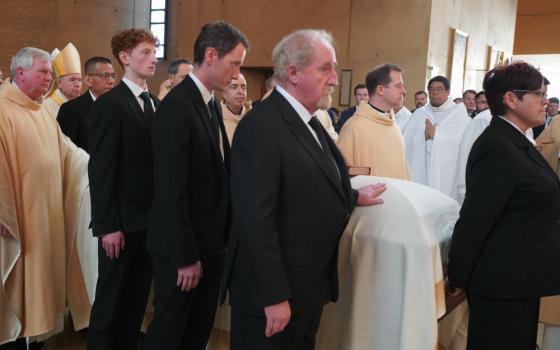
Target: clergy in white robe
x,y
402,117
472,132
433,139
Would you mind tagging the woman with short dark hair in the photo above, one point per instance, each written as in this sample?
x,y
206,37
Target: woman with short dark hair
x,y
505,250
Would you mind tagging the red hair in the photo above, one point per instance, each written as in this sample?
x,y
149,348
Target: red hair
x,y
127,40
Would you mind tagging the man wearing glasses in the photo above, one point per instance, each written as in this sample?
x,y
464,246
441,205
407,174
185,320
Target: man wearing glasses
x,y
433,139
74,116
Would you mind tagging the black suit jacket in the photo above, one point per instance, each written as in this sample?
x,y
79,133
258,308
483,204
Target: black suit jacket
x,y
289,210
506,243
191,211
120,165
74,118
537,130
344,116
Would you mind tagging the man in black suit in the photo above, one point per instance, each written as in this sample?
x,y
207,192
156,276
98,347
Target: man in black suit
x,y
191,212
291,199
74,116
361,94
120,177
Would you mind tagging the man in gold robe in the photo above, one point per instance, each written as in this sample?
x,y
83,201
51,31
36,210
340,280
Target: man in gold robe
x,y
41,179
234,104
371,138
68,73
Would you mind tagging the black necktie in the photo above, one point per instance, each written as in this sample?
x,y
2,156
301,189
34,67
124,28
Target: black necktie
x,y
148,109
320,131
215,122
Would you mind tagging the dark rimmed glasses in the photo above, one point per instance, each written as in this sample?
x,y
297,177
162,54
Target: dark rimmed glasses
x,y
105,76
542,94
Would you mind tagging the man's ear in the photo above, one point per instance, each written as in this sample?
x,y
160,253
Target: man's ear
x,y
510,100
124,58
292,74
210,55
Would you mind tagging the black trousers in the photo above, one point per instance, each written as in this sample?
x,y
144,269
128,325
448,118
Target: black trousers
x,y
183,320
121,295
502,324
247,331
19,344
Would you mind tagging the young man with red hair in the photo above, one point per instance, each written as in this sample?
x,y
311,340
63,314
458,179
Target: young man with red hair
x,y
120,175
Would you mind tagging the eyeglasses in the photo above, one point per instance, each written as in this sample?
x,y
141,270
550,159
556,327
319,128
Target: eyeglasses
x,y
543,95
438,89
105,76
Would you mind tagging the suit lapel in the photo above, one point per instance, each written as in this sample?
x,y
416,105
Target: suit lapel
x,y
306,139
204,116
538,158
522,142
134,107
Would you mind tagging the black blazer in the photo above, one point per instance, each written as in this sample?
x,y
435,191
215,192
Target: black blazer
x,y
74,118
120,165
289,210
537,130
344,116
506,243
191,210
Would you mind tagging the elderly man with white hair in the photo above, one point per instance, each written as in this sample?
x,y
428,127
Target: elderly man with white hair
x,y
291,199
41,173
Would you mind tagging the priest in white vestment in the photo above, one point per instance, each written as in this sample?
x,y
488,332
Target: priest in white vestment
x,y
433,139
472,132
402,116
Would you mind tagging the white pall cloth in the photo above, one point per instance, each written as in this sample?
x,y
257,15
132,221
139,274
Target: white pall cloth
x,y
390,271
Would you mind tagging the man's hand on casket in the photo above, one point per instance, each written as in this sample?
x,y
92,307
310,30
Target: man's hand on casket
x,y
277,317
368,195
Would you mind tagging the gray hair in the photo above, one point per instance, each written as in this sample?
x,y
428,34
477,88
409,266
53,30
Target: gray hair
x,y
298,49
24,58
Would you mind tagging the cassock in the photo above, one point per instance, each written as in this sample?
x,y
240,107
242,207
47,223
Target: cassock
x,y
231,119
434,162
42,178
373,139
54,101
402,117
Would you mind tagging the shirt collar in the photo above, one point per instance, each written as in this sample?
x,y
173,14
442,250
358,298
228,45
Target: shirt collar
x,y
92,95
527,134
135,88
382,112
206,94
300,110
